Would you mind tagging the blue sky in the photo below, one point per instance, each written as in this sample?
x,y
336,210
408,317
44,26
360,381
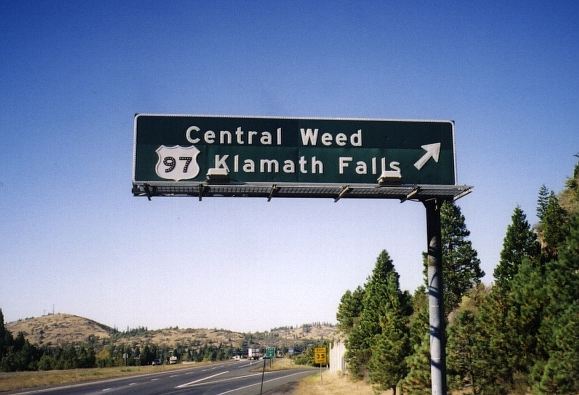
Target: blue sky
x,y
73,74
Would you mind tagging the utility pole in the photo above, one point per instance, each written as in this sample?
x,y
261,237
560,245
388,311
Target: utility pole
x,y
435,297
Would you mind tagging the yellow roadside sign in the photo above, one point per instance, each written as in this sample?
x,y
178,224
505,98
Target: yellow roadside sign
x,y
320,355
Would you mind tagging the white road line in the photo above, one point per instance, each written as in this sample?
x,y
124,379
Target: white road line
x,y
191,370
229,379
130,385
106,389
253,385
203,379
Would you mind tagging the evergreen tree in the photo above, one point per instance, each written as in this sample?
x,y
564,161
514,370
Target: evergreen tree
x,y
376,304
349,309
553,228
492,346
561,318
46,362
563,274
542,201
461,266
27,356
417,363
419,320
102,359
569,198
390,347
560,375
519,242
376,301
3,336
526,300
461,351
417,381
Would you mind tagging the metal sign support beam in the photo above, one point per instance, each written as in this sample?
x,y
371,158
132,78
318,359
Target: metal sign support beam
x,y
435,298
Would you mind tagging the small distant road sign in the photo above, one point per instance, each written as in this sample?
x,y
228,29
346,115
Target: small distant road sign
x,y
320,355
270,352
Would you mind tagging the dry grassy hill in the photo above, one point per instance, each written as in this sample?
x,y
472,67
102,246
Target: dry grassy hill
x,y
61,329
172,336
288,335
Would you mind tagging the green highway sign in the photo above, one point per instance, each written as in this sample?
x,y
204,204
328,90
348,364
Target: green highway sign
x,y
188,150
270,352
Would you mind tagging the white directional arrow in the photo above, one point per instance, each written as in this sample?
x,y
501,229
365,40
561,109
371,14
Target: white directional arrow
x,y
432,151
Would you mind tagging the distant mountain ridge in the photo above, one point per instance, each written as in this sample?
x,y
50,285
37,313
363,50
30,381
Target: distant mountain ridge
x,y
62,329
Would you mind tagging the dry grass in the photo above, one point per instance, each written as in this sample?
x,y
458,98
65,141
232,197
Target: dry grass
x,y
61,329
58,329
24,380
281,364
334,384
275,365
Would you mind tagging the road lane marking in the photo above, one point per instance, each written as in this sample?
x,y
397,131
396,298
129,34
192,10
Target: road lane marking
x,y
188,370
240,377
225,380
202,379
267,381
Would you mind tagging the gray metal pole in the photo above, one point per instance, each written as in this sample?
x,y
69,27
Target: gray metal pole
x,y
435,298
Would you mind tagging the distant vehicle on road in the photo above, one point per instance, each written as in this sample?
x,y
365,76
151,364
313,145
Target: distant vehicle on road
x,y
156,362
172,360
253,353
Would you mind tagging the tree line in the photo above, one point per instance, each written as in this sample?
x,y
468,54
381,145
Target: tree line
x,y
18,354
519,335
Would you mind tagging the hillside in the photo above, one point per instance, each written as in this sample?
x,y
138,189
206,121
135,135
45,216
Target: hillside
x,y
61,329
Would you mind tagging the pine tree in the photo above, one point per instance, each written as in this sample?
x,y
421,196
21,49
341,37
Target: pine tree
x,y
3,332
390,347
376,299
542,201
417,381
558,335
461,350
492,346
563,276
419,321
376,305
519,242
553,228
6,341
560,375
525,305
349,309
569,198
461,266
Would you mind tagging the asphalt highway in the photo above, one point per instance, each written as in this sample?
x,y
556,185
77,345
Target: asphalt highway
x,y
233,377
